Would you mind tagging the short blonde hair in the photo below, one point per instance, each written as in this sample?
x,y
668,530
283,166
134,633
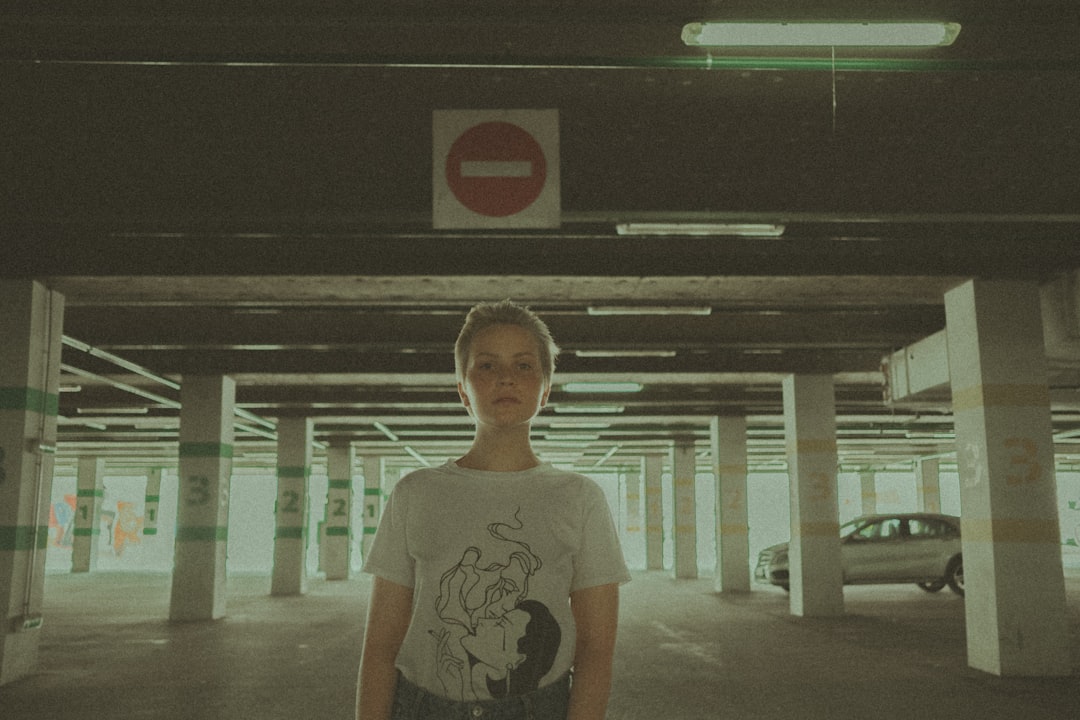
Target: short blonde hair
x,y
505,312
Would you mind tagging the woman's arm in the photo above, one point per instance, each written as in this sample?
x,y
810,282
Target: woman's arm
x,y
596,615
389,611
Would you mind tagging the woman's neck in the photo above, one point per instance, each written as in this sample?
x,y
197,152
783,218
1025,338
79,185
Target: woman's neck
x,y
500,452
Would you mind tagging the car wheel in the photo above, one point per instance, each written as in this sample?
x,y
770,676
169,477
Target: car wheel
x,y
932,587
954,575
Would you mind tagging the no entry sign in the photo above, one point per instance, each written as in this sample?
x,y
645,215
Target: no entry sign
x,y
495,169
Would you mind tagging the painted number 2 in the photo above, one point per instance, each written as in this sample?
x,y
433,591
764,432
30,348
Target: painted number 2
x,y
291,501
1024,461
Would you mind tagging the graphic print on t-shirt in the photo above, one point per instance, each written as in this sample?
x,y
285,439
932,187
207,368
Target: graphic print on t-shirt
x,y
495,641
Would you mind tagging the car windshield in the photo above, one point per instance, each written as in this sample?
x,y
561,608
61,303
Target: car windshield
x,y
850,527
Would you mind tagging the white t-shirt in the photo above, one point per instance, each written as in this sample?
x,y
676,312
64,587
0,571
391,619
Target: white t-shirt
x,y
492,558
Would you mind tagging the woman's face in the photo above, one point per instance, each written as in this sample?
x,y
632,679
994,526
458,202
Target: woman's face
x,y
494,641
504,385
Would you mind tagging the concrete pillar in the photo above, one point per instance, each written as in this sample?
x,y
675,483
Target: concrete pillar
x,y
336,549
868,492
373,496
202,511
89,493
728,437
31,326
1015,588
152,501
295,438
814,555
684,482
634,517
928,485
654,512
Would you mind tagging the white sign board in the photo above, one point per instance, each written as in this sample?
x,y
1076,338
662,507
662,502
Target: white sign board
x,y
495,169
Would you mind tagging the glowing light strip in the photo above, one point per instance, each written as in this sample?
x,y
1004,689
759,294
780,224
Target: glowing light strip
x,y
803,34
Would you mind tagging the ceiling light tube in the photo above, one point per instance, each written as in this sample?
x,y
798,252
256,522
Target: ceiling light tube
x,y
602,387
603,310
420,458
589,409
834,34
385,431
759,230
625,353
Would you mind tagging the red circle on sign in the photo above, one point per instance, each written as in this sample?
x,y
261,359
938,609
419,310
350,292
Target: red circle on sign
x,y
496,169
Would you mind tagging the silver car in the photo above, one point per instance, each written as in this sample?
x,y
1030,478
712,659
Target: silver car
x,y
921,548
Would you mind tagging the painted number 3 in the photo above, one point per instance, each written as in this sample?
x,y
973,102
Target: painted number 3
x,y
1024,461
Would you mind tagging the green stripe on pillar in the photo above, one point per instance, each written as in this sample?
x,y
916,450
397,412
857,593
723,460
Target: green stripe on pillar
x,y
337,531
372,491
202,533
29,399
23,537
369,531
87,532
340,485
89,492
289,471
289,533
153,498
149,531
206,449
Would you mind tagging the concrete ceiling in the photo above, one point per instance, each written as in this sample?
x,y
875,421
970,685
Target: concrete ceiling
x,y
216,189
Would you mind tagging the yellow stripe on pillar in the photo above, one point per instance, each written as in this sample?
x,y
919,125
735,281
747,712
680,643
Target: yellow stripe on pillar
x,y
1000,395
1012,530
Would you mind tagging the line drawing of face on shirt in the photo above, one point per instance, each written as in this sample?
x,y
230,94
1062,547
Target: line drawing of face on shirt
x,y
495,641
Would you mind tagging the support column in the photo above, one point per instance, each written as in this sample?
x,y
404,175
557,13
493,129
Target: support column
x,y
654,512
868,492
89,494
202,510
31,326
817,588
295,438
373,495
728,436
634,535
684,482
152,501
1014,582
928,485
336,558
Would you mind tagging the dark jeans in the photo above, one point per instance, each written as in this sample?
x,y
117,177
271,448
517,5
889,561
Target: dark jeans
x,y
547,703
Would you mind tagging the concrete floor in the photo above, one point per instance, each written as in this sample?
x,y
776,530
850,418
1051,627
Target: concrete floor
x,y
684,653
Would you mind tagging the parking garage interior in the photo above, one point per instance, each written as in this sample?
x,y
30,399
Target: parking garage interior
x,y
791,285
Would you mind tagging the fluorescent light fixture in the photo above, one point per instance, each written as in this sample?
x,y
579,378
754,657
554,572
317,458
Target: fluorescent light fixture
x,y
571,437
575,425
113,411
589,409
418,456
761,230
602,310
834,34
607,456
602,387
624,353
385,431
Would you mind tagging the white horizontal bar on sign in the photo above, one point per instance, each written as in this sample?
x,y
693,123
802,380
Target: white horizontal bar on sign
x,y
496,168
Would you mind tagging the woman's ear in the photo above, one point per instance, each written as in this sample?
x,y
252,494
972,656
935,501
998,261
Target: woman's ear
x,y
463,396
547,391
